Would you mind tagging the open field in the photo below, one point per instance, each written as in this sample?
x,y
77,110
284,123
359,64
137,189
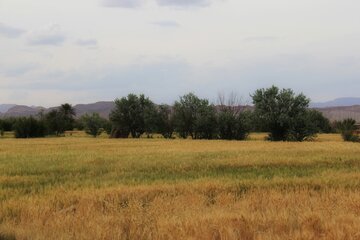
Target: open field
x,y
78,187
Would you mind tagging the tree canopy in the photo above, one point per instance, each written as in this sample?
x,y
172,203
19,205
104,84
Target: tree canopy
x,y
284,114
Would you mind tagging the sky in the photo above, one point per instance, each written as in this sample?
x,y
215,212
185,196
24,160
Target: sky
x,y
83,51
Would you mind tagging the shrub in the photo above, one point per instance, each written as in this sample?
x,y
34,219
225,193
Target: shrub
x,y
93,124
29,127
347,129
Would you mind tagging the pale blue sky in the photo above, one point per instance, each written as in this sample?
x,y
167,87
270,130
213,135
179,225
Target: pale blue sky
x,y
84,51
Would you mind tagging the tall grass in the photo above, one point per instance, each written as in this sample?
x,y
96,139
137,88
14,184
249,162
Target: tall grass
x,y
83,188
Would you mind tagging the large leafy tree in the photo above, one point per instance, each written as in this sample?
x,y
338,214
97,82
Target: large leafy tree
x,y
132,114
194,117
61,119
205,122
67,112
284,114
233,120
165,121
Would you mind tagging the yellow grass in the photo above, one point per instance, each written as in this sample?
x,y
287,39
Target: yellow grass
x,y
82,188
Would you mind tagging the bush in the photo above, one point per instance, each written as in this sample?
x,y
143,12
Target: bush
x,y
8,124
284,114
347,129
29,127
93,124
322,124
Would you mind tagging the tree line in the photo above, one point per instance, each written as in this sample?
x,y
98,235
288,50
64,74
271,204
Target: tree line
x,y
282,113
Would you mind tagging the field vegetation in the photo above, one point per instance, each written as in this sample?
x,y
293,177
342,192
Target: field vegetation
x,y
79,187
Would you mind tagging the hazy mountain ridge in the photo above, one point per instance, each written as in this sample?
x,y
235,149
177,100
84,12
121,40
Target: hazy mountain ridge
x,y
104,108
339,102
341,113
5,107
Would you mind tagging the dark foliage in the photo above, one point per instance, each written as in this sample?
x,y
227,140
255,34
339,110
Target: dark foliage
x,y
133,114
29,127
284,114
94,125
347,129
60,120
165,121
195,117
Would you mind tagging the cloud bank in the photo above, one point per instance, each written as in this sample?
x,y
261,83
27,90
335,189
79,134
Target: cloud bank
x,y
50,35
87,42
122,3
10,32
166,24
162,3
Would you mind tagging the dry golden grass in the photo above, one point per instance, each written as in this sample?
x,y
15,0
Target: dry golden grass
x,y
83,188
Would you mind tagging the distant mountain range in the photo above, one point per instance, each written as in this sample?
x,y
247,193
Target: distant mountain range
x,y
337,109
11,110
5,107
339,102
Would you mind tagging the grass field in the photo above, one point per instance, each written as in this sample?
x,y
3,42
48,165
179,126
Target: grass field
x,y
77,187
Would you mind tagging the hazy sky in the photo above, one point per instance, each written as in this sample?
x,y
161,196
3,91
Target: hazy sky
x,y
82,51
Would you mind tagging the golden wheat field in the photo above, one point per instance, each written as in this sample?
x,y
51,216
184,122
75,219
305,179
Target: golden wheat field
x,y
77,187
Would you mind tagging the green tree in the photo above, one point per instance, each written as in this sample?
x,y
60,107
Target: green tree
x,y
29,127
8,124
60,119
132,114
283,113
67,113
165,121
93,124
55,123
1,128
322,124
194,117
233,121
205,126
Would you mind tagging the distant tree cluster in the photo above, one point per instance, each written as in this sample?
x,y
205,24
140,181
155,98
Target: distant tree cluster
x,y
189,117
280,112
54,123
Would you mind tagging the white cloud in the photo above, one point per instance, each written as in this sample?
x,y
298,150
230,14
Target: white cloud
x,y
167,24
163,3
184,3
50,35
122,3
10,32
87,42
